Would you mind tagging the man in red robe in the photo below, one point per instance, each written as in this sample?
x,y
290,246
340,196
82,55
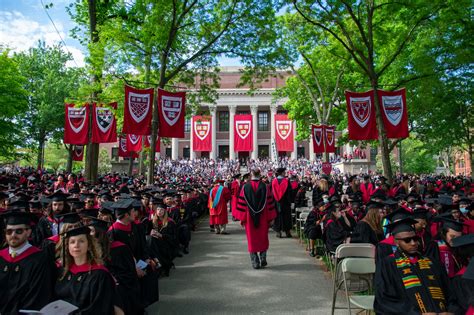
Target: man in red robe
x,y
219,196
256,212
235,191
367,189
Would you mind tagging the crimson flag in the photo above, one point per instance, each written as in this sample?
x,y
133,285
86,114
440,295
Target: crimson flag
x,y
202,133
326,167
393,106
157,144
361,116
330,139
318,138
171,110
137,111
78,153
76,124
134,143
123,152
104,125
243,134
284,133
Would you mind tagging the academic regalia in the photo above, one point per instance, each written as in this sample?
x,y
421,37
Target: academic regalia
x,y
409,286
334,234
255,211
363,233
385,248
282,193
311,229
367,190
46,226
164,248
463,289
122,266
234,191
25,281
218,207
89,287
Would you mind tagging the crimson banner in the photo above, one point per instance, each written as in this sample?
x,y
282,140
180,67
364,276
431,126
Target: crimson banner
x,y
284,133
76,124
318,138
137,111
202,133
134,143
326,167
104,125
394,113
330,138
157,144
361,116
123,152
171,110
78,153
243,138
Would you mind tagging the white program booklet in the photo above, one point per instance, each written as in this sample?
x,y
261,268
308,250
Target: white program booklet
x,y
141,264
58,307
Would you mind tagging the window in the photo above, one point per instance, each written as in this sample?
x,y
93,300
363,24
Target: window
x,y
168,153
186,153
187,125
300,153
243,112
223,152
262,121
115,152
223,121
263,151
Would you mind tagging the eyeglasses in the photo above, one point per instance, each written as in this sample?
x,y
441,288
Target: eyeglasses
x,y
409,239
16,231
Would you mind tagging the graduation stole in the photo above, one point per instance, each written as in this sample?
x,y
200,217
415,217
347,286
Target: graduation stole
x,y
216,198
421,291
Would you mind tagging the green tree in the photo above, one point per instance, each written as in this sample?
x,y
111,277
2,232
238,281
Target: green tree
x,y
416,158
13,101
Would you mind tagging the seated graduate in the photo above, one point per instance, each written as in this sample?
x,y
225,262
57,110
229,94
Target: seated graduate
x,y
406,282
312,226
163,240
84,281
369,229
462,286
67,222
335,232
25,279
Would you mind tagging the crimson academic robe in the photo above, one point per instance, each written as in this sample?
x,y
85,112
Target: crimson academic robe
x,y
440,251
367,191
25,281
255,210
282,193
218,214
463,289
234,191
89,287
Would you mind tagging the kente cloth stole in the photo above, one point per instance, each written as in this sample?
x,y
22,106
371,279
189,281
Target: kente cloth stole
x,y
421,284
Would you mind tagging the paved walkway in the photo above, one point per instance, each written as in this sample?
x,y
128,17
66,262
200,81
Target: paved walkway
x,y
217,278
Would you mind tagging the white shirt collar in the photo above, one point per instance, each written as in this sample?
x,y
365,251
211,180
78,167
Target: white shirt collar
x,y
20,250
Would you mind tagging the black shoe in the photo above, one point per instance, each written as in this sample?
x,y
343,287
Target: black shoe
x,y
255,260
225,233
263,259
312,253
185,250
288,235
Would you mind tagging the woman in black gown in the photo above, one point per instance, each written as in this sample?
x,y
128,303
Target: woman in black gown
x,y
369,229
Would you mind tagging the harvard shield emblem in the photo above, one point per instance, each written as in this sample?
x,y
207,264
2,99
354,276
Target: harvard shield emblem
x,y
78,150
138,106
171,107
330,136
318,135
104,118
284,128
360,109
77,118
326,167
201,129
133,139
123,144
243,128
393,108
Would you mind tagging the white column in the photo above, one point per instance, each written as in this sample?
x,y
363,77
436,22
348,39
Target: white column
x,y
294,154
254,112
232,109
213,110
312,155
174,148
273,111
192,154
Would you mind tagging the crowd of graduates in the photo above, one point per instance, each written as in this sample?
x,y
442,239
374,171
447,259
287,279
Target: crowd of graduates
x,y
101,248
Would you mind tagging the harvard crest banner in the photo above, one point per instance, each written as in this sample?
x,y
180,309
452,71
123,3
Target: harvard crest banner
x,y
394,113
171,110
78,153
134,143
243,137
157,144
123,152
76,124
284,133
361,116
202,133
104,125
317,133
137,111
330,138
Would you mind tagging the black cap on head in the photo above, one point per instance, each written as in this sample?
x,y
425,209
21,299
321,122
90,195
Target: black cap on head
x,y
77,205
58,196
74,191
19,205
122,206
463,240
403,225
374,205
236,176
83,230
72,218
420,213
99,224
398,214
390,202
15,217
280,170
452,224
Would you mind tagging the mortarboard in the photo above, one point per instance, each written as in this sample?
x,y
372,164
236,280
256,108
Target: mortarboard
x,y
19,205
99,224
398,214
58,196
72,218
83,230
122,206
451,223
15,217
463,240
403,225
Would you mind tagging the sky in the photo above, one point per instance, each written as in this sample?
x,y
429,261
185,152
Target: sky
x,y
24,22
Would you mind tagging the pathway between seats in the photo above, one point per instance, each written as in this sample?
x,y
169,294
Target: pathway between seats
x,y
217,278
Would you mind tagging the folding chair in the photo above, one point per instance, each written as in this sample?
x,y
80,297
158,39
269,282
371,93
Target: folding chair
x,y
300,222
363,267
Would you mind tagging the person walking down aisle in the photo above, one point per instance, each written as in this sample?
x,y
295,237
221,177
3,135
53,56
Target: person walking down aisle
x,y
256,212
282,193
219,196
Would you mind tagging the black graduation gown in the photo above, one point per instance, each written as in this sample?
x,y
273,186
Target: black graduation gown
x,y
122,266
463,289
26,281
391,297
164,248
311,230
90,288
334,235
43,230
363,233
283,221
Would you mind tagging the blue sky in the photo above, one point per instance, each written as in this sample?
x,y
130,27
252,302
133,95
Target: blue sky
x,y
24,22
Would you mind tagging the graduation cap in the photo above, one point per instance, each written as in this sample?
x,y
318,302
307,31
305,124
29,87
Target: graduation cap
x,y
374,205
58,196
15,217
71,218
99,224
463,240
35,203
400,197
236,176
452,224
74,191
390,202
77,204
379,194
19,205
420,213
280,170
83,230
137,204
122,206
465,201
398,214
403,225
85,196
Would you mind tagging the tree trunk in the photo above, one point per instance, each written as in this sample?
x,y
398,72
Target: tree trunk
x,y
130,166
39,161
70,152
471,159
